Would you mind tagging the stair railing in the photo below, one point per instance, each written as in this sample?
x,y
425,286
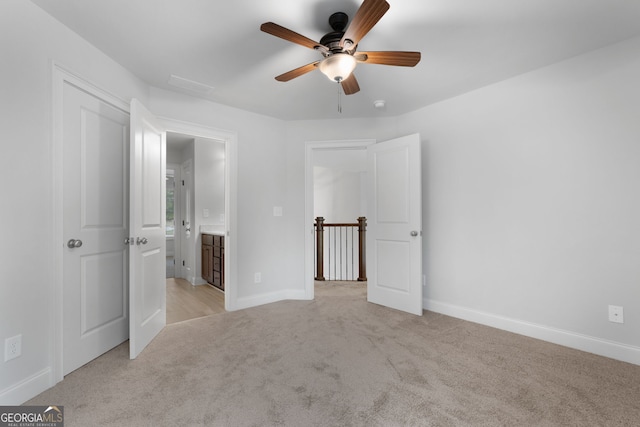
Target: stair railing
x,y
336,250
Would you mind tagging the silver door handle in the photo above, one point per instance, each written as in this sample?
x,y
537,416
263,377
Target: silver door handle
x,y
414,233
74,243
141,241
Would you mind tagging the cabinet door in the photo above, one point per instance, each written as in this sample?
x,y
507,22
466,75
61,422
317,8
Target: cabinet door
x,y
222,267
207,268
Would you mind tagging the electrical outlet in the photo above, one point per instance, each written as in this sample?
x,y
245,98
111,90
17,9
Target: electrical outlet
x,y
257,278
616,314
12,347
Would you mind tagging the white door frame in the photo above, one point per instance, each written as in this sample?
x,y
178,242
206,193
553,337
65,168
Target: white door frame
x,y
309,241
230,140
60,75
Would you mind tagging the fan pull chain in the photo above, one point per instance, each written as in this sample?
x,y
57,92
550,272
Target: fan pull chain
x,y
339,98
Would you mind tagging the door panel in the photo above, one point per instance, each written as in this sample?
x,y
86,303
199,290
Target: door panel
x,y
394,242
95,278
389,255
101,290
392,185
147,283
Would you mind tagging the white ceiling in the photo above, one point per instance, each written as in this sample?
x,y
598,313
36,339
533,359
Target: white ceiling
x,y
465,44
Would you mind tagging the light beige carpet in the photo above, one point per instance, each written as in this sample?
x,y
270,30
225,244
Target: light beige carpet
x,y
339,361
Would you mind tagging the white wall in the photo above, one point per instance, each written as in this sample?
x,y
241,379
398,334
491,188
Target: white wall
x,y
338,194
532,202
209,181
209,171
29,41
338,181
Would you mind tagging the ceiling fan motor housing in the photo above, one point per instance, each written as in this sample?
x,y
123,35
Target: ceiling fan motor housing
x,y
338,22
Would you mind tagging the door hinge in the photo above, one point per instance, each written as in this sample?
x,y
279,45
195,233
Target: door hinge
x,y
183,182
183,263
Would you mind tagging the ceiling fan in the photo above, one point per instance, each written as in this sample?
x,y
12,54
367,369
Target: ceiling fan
x,y
339,47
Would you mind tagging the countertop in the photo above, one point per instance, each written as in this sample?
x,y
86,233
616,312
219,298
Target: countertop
x,y
216,230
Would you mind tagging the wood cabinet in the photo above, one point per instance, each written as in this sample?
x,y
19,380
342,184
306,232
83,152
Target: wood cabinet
x,y
213,259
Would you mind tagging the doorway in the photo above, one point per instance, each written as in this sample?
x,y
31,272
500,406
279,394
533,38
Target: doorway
x,y
394,220
197,166
334,190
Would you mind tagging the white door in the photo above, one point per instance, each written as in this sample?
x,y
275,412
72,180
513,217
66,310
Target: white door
x,y
95,221
186,203
147,284
394,224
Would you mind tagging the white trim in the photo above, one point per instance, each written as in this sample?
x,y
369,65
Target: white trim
x,y
256,300
230,199
310,147
601,347
59,77
26,389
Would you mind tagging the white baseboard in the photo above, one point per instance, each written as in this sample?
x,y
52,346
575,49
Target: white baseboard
x,y
601,347
30,387
256,300
196,281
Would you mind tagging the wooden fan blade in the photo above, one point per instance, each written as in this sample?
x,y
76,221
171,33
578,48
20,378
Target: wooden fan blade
x,y
287,34
402,59
297,72
366,17
350,85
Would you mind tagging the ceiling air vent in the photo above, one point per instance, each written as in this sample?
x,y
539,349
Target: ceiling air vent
x,y
190,85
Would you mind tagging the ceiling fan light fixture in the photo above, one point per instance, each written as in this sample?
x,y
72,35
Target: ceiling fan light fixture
x,y
338,67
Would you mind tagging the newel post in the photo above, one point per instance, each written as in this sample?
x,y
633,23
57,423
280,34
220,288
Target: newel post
x,y
362,243
319,248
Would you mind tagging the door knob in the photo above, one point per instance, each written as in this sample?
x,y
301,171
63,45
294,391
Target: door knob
x,y
142,241
414,233
74,243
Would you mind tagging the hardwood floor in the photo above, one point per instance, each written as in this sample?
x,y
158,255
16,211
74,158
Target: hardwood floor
x,y
185,301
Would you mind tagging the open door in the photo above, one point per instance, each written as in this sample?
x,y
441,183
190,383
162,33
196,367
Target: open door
x,y
394,224
147,222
